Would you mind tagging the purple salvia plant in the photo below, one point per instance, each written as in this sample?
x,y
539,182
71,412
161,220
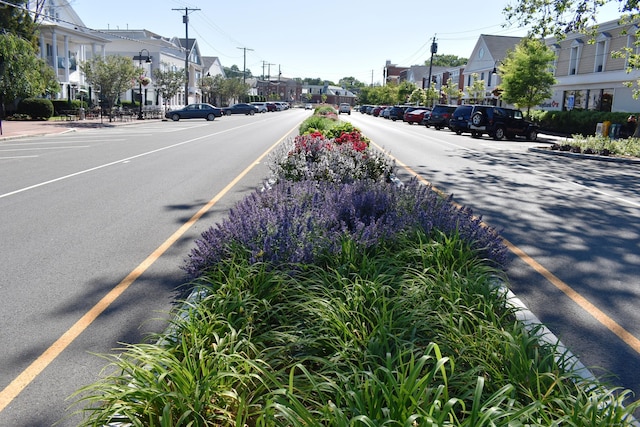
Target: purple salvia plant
x,y
295,222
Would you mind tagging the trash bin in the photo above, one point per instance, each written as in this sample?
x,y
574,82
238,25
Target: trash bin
x,y
81,113
599,129
605,128
614,130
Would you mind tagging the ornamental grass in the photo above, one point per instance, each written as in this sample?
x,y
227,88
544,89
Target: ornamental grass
x,y
347,302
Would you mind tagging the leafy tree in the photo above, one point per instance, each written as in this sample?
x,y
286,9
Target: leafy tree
x,y
17,20
351,83
451,91
405,89
22,73
418,96
431,94
235,72
446,61
232,89
111,76
526,79
477,90
559,17
168,82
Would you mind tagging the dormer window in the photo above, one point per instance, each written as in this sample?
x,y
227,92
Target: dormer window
x,y
602,46
574,58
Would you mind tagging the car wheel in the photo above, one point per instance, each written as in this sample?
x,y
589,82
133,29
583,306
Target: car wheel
x,y
498,134
477,119
458,132
175,117
211,117
251,113
532,135
438,127
475,134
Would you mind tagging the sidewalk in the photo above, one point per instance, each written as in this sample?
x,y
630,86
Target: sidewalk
x,y
16,129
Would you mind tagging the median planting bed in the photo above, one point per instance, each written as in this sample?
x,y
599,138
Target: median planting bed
x,y
337,296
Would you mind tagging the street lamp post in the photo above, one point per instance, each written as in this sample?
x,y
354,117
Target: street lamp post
x,y
148,61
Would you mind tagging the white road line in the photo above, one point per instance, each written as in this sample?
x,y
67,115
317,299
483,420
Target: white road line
x,y
43,148
62,178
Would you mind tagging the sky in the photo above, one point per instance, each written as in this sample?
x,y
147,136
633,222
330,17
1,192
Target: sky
x,y
327,39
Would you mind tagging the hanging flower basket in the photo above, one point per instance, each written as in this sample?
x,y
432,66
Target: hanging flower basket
x,y
144,80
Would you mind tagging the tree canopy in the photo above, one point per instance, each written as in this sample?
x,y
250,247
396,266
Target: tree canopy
x,y
526,76
111,76
22,73
446,60
559,17
17,20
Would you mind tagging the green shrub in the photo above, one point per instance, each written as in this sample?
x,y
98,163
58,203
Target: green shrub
x,y
581,122
60,105
36,108
316,123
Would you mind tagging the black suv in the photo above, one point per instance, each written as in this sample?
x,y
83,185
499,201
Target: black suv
x,y
439,117
500,122
396,113
497,122
459,121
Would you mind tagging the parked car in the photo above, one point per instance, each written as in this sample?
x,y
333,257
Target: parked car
x,y
415,115
440,116
459,121
271,106
344,108
363,109
375,112
385,112
308,106
261,106
500,122
247,109
397,112
195,111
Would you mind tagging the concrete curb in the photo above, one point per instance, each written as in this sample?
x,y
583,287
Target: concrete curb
x,y
544,150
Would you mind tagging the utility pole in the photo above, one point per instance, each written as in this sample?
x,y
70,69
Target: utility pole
x,y
185,20
434,49
269,79
244,66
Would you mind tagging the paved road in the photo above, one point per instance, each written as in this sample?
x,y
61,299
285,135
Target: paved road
x,y
579,220
95,225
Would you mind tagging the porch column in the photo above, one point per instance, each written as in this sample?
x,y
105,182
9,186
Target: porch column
x,y
66,58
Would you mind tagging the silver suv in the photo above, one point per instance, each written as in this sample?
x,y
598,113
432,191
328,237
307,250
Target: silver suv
x,y
344,108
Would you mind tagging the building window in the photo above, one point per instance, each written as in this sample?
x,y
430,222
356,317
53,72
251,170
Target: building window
x,y
574,59
632,44
602,46
554,65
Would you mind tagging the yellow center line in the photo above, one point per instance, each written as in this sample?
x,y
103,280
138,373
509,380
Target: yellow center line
x,y
16,386
626,336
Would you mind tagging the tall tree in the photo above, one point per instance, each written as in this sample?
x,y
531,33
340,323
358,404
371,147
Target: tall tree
x,y
526,75
477,90
418,96
168,82
22,73
451,91
15,19
111,76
